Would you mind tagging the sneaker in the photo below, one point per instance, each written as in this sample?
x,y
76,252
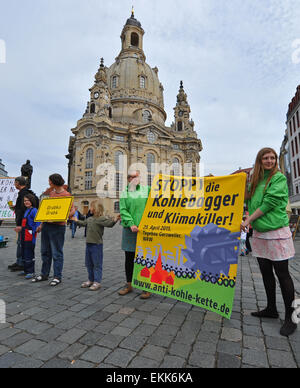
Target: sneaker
x,y
22,273
29,276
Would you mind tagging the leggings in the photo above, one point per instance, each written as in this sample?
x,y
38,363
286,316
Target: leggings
x,y
129,264
281,269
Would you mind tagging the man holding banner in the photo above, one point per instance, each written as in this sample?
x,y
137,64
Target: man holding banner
x,y
132,204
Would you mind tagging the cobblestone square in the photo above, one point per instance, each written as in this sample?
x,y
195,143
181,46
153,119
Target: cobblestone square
x,y
70,327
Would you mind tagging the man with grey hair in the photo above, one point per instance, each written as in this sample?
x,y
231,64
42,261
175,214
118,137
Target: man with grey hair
x,y
19,209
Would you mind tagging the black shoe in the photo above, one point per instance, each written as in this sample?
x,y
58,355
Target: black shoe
x,y
266,314
288,328
12,266
17,268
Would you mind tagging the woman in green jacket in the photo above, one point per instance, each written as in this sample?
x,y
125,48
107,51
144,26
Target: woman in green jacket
x,y
132,205
272,242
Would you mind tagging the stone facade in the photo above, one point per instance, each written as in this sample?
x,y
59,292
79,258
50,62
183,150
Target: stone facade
x,y
125,117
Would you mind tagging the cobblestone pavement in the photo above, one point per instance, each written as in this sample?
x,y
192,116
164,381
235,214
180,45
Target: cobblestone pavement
x,y
68,327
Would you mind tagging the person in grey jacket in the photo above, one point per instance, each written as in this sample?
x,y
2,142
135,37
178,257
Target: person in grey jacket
x,y
94,244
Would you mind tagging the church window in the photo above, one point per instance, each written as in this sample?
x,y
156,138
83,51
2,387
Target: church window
x,y
150,167
142,82
89,158
93,107
89,132
114,82
176,167
110,112
134,39
119,170
88,180
179,126
146,116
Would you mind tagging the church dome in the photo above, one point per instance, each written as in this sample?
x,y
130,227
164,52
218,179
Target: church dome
x,y
133,22
135,78
131,80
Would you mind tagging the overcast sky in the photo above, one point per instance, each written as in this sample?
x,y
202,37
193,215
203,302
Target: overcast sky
x,y
236,59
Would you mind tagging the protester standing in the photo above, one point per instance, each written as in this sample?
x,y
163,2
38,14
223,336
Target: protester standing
x,y
53,237
19,209
132,205
272,244
28,233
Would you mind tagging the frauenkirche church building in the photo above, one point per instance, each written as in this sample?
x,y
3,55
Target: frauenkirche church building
x,y
125,117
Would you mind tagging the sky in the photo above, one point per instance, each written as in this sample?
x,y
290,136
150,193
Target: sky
x,y
239,61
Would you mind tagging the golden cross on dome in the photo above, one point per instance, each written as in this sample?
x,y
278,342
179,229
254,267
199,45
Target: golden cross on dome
x,y
132,12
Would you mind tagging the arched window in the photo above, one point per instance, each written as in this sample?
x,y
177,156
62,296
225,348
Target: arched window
x,y
134,39
114,82
93,107
176,167
119,163
142,82
89,158
150,168
179,126
146,116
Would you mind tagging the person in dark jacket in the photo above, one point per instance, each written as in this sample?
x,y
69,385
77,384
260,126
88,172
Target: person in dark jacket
x,y
19,209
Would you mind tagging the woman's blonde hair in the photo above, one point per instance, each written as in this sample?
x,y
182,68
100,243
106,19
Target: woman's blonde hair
x,y
98,208
258,172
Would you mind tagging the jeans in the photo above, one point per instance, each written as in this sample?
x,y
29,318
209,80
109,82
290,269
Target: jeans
x,y
52,244
73,228
94,261
28,257
20,260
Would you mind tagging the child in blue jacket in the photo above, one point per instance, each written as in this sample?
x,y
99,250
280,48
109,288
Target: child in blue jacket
x,y
28,236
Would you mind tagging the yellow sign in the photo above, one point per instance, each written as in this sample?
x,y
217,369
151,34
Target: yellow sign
x,y
56,209
188,240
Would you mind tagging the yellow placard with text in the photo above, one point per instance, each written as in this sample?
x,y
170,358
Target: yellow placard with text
x,y
188,240
54,209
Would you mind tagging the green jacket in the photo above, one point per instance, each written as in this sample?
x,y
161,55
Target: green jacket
x,y
132,205
272,202
95,228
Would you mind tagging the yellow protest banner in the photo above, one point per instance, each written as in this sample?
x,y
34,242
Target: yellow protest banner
x,y
54,209
188,240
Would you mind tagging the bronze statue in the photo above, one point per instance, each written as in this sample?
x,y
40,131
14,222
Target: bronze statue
x,y
26,171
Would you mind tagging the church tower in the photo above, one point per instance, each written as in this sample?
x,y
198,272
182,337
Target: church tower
x,y
125,117
182,112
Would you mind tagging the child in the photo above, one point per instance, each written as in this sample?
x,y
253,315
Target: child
x,y
28,235
94,244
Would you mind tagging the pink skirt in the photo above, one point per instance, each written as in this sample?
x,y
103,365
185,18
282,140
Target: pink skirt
x,y
276,245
